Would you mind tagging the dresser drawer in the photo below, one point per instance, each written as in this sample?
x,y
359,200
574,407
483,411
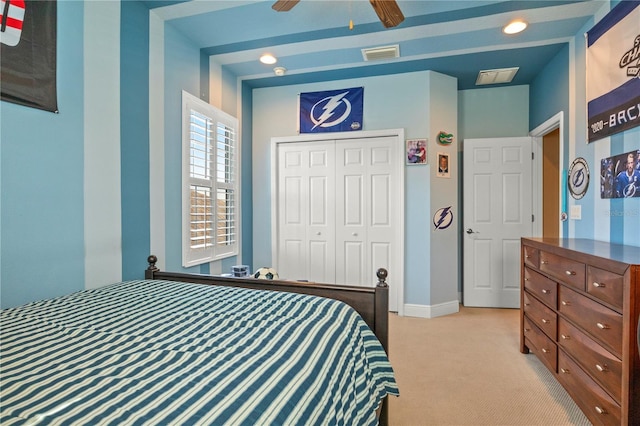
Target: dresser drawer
x,y
540,344
531,256
566,270
596,404
542,287
545,318
601,364
606,286
602,323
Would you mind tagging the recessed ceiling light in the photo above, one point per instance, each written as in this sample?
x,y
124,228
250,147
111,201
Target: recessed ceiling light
x,y
515,27
268,59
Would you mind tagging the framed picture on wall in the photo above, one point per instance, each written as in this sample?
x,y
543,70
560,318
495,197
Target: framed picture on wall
x,y
443,165
416,151
620,175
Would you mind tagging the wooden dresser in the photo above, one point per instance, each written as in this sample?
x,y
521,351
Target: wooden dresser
x,y
580,301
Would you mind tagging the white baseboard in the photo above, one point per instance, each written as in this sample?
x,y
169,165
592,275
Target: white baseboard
x,y
431,311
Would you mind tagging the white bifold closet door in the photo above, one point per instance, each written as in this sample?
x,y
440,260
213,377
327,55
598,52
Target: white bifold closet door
x,y
337,205
306,211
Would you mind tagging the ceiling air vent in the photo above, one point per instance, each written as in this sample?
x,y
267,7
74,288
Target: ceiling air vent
x,y
378,53
497,76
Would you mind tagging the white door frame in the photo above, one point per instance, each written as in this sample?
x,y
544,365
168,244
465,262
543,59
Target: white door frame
x,y
555,122
398,276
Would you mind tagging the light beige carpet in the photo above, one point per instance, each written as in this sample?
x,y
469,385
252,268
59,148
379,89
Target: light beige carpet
x,y
467,369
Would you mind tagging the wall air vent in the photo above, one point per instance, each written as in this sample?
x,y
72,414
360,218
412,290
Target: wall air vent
x,y
497,76
379,53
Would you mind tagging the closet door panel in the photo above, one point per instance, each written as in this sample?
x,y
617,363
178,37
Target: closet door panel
x,y
353,272
306,218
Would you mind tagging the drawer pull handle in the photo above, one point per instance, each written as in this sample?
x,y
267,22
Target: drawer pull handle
x,y
565,336
527,330
602,369
526,256
601,410
544,262
570,272
546,351
545,291
526,279
565,303
602,326
545,321
564,370
598,285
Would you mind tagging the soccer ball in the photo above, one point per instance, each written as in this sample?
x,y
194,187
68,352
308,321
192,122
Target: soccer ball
x,y
266,273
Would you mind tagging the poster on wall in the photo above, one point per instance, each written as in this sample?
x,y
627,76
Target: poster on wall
x,y
28,51
443,165
416,151
331,110
613,72
620,175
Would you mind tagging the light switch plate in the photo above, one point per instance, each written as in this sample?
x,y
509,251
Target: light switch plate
x,y
576,212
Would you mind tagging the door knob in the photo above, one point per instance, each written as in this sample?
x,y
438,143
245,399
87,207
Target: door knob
x,y
471,231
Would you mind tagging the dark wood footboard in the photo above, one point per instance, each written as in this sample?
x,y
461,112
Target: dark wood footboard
x,y
372,303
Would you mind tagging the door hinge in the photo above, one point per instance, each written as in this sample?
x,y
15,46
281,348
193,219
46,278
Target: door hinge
x,y
532,219
532,155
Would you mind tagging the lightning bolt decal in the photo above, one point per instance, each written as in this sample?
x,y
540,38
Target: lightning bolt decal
x,y
440,223
329,108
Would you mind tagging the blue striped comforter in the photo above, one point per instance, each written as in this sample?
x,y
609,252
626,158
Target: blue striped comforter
x,y
170,353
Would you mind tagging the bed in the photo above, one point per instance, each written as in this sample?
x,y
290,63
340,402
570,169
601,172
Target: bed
x,y
188,349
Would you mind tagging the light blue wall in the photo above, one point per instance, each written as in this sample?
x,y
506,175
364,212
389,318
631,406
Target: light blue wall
x,y
181,72
134,147
395,101
602,219
42,175
42,247
493,112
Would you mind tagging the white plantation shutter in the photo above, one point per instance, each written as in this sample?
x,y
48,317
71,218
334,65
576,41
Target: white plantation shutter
x,y
209,181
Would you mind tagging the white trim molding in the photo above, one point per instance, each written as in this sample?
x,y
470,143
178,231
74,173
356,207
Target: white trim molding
x,y
432,311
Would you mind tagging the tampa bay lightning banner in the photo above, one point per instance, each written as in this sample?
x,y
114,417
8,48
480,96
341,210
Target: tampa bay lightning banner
x,y
613,72
28,51
331,110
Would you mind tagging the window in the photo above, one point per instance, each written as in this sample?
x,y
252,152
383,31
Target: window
x,y
209,183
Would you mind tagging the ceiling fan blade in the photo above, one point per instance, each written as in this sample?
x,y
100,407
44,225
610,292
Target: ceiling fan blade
x,y
388,11
284,5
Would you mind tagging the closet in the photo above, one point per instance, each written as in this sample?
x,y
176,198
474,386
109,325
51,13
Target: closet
x,y
339,209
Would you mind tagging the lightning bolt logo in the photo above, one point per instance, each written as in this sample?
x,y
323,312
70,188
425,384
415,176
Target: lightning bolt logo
x,y
328,106
578,178
443,218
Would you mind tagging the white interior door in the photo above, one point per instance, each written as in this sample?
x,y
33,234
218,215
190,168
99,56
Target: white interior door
x,y
306,217
497,213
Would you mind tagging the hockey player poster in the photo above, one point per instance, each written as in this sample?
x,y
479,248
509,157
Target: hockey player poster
x,y
613,72
331,110
620,175
28,50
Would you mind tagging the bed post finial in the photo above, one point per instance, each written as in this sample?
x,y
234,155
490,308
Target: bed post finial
x,y
382,276
152,259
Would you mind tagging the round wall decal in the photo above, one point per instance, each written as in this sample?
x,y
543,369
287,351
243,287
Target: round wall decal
x,y
578,179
